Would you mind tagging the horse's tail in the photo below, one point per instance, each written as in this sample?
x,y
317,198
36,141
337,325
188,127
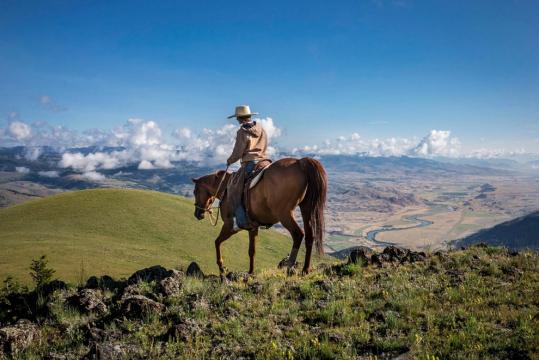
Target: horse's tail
x,y
315,198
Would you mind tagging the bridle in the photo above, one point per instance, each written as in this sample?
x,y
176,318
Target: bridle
x,y
209,208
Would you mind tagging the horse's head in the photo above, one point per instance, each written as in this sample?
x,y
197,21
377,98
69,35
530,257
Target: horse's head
x,y
205,192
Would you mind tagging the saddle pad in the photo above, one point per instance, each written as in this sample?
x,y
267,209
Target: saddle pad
x,y
257,178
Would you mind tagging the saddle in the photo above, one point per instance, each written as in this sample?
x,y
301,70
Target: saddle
x,y
250,182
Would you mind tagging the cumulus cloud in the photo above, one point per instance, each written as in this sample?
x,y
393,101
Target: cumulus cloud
x,y
436,143
142,143
19,130
32,153
214,146
93,176
49,174
22,170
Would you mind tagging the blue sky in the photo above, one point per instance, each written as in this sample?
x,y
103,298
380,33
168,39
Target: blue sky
x,y
320,69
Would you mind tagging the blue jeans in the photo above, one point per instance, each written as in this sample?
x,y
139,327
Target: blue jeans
x,y
239,212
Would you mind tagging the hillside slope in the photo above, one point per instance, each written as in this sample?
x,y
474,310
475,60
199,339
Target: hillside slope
x,y
519,233
113,231
477,303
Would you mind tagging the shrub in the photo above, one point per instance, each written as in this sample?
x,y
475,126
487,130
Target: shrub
x,y
40,272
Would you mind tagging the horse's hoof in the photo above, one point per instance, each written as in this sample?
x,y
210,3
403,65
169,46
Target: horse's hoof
x,y
290,271
304,272
224,279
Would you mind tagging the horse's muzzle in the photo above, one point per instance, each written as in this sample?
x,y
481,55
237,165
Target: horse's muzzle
x,y
199,214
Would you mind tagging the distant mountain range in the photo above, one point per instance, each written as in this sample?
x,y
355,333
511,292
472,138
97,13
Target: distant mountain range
x,y
516,234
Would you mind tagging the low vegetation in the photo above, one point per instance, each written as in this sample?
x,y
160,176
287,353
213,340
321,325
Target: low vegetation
x,y
481,302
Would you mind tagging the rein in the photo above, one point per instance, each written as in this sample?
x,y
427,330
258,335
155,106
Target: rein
x,y
214,220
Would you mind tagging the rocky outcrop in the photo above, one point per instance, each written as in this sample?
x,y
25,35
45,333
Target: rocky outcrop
x,y
18,337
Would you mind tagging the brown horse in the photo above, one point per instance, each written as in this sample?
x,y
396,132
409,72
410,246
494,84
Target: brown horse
x,y
286,184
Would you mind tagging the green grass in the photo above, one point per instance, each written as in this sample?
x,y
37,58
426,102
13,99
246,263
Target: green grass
x,y
115,232
480,303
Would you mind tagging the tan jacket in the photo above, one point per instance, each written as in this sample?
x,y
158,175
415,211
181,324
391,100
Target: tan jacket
x,y
251,143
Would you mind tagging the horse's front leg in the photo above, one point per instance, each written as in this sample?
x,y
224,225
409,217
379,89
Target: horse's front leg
x,y
252,249
226,232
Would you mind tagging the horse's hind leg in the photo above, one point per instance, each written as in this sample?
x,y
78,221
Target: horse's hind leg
x,y
297,235
309,240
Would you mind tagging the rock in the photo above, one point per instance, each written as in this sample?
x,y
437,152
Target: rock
x,y
114,350
358,256
18,337
325,285
169,286
194,270
104,282
237,276
53,286
256,288
153,273
89,300
394,253
375,260
414,256
135,306
186,329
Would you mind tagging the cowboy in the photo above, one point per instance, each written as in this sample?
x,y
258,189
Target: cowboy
x,y
250,148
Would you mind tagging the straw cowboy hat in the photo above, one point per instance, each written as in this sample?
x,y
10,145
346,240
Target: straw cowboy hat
x,y
242,111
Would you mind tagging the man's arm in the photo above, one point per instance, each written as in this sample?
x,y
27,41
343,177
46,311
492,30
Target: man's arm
x,y
239,147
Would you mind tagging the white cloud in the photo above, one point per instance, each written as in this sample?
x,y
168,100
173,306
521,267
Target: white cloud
x,y
145,165
22,170
19,130
49,174
183,133
93,176
32,153
437,143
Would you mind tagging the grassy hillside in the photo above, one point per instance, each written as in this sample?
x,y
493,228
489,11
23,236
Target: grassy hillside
x,y
480,303
519,233
112,231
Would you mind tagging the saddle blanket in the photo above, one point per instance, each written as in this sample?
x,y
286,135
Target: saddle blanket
x,y
258,176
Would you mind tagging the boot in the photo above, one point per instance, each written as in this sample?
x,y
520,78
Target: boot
x,y
240,219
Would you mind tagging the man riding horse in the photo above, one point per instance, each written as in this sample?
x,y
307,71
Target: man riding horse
x,y
250,148
285,185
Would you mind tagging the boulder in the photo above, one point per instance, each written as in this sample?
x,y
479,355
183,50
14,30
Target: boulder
x,y
104,282
172,284
18,337
358,256
135,306
194,270
184,330
153,273
89,300
393,253
414,256
111,350
53,286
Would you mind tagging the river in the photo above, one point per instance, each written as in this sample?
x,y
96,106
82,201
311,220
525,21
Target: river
x,y
371,235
